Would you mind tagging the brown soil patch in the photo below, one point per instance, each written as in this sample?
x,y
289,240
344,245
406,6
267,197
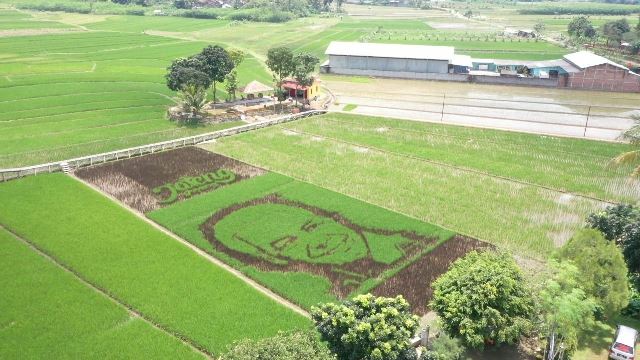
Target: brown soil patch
x,y
32,32
132,181
344,278
414,281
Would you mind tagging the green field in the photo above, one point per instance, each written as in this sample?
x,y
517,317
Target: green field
x,y
51,314
446,175
291,232
139,265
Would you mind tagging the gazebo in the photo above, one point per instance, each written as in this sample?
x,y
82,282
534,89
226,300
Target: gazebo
x,y
256,88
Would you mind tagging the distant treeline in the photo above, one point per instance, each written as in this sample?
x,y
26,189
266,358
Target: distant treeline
x,y
81,7
582,9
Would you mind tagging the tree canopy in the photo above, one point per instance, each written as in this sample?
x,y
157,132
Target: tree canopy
x,y
482,299
581,27
566,309
284,346
603,271
614,30
367,328
217,64
187,71
280,62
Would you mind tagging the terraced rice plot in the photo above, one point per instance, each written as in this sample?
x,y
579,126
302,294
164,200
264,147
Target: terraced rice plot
x,y
304,242
139,266
525,193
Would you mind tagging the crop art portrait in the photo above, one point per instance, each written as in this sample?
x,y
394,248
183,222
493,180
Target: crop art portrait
x,y
274,233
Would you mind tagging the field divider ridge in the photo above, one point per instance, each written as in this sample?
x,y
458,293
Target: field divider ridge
x,y
265,291
459,168
104,292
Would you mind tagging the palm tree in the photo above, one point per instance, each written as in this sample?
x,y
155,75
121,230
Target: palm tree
x,y
633,156
192,99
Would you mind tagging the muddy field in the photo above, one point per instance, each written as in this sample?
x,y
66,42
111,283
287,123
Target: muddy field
x,y
414,281
149,182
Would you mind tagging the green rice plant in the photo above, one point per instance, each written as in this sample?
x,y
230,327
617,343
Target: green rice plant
x,y
79,322
139,265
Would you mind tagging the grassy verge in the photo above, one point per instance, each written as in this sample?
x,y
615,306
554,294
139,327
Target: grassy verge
x,y
263,223
48,313
139,265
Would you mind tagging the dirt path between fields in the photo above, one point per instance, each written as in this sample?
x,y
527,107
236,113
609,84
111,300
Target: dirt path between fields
x,y
132,312
211,259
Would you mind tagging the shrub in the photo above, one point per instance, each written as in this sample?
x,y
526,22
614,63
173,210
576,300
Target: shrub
x,y
136,12
367,328
444,347
602,268
201,14
483,299
284,346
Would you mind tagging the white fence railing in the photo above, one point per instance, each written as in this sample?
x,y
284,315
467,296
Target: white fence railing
x,y
9,174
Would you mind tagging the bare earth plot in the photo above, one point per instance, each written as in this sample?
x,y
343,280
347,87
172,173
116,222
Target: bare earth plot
x,y
592,115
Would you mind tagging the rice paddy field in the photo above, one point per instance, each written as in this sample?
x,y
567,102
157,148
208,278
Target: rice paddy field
x,y
486,184
137,265
77,84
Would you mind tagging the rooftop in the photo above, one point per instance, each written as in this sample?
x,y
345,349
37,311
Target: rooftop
x,y
399,51
256,87
585,59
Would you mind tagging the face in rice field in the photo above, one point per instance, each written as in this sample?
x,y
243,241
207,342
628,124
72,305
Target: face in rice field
x,y
281,232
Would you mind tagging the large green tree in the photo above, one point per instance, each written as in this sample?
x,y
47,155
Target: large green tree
x,y
566,310
603,271
483,299
581,27
303,69
217,64
280,62
614,30
284,346
187,71
367,328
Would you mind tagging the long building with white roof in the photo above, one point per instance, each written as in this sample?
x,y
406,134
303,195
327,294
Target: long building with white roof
x,y
580,70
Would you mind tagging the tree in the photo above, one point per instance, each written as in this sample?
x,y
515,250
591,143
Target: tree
x,y
284,346
566,309
231,84
367,327
603,271
613,221
581,27
468,14
614,30
631,157
217,64
187,71
482,299
305,64
192,99
539,27
280,62
237,57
